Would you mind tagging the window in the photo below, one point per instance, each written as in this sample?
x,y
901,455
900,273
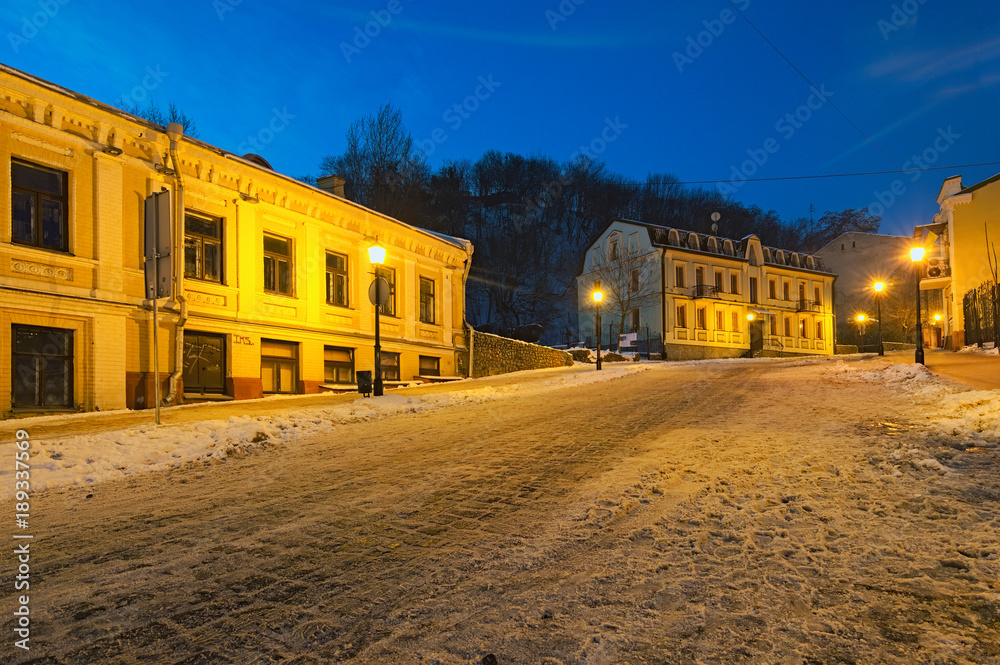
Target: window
x,y
818,295
734,284
681,316
788,327
390,366
430,366
426,300
389,275
277,265
202,248
718,282
204,363
613,253
785,290
39,206
720,320
772,323
803,328
736,321
633,243
42,364
279,366
338,365
772,289
819,330
802,292
702,323
699,276
679,277
753,289
336,279
634,320
633,280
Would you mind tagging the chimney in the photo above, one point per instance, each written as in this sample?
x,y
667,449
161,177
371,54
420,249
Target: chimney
x,y
331,183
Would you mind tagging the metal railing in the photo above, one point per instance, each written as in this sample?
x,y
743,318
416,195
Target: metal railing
x,y
704,291
982,314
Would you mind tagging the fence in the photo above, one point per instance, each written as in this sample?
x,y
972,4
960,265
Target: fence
x,y
982,314
644,343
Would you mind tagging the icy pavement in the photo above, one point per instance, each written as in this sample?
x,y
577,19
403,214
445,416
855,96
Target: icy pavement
x,y
814,511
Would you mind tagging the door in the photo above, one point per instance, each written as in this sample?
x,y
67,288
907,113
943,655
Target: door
x,y
755,329
204,363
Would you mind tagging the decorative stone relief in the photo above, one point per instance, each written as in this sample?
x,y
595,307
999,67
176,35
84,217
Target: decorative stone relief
x,y
205,298
41,270
30,140
279,310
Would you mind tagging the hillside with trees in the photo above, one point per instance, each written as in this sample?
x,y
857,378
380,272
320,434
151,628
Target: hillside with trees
x,y
532,218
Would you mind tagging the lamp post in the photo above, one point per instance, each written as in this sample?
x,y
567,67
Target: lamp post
x,y
917,255
378,293
598,297
879,286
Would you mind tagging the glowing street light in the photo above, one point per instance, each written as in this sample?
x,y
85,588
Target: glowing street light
x,y
917,255
879,287
598,297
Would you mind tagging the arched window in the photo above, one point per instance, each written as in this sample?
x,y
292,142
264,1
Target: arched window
x,y
694,242
727,247
674,238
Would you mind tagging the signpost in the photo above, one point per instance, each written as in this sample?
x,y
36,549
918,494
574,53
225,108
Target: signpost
x,y
158,269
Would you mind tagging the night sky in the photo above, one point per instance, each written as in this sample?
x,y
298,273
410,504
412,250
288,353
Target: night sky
x,y
688,88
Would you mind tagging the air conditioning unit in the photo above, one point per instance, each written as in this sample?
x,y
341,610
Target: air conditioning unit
x,y
937,267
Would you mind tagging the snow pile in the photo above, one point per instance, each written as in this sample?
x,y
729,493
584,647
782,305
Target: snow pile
x,y
88,459
904,377
989,349
969,418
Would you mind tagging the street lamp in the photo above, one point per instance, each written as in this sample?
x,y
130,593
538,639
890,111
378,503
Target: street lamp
x,y
879,286
917,255
378,293
598,297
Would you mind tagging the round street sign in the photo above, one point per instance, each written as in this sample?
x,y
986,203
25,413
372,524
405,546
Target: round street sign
x,y
378,292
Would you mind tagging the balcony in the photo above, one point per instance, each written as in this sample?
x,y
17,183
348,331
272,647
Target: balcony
x,y
704,291
808,306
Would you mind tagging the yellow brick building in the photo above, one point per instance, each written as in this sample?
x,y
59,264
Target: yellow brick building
x,y
273,274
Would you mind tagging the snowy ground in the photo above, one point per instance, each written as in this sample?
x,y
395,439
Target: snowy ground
x,y
767,511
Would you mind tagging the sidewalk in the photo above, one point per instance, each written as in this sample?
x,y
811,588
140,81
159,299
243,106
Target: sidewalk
x,y
979,371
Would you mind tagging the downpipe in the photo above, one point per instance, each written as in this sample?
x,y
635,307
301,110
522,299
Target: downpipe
x,y
175,131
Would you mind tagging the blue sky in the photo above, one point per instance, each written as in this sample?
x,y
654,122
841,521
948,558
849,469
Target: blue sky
x,y
687,88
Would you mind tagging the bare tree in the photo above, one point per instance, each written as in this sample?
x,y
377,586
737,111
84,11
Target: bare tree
x,y
626,279
154,113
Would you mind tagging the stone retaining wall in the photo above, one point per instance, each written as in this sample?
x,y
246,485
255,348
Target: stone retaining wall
x,y
499,355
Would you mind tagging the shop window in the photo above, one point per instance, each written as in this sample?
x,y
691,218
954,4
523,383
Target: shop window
x,y
42,364
202,248
426,300
279,366
39,215
336,279
278,265
204,363
430,366
389,275
390,366
338,365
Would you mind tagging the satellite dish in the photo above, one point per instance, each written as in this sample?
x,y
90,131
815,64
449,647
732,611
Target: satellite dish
x,y
715,228
716,216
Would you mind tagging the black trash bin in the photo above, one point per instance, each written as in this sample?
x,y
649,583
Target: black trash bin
x,y
364,379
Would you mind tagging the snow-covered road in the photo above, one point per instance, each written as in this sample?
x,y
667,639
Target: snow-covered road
x,y
720,512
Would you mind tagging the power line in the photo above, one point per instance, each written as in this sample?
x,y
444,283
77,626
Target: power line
x,y
824,175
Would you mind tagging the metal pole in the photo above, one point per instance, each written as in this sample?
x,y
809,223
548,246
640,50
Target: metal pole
x,y
378,387
878,306
598,335
919,355
156,325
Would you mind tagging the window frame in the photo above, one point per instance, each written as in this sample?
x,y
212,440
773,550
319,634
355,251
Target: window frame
x,y
634,320
331,276
202,388
274,256
680,279
293,361
734,284
40,379
339,365
428,302
37,207
201,238
383,365
437,366
680,316
701,318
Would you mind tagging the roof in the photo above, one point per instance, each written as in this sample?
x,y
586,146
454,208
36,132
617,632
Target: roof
x,y
983,183
666,236
249,159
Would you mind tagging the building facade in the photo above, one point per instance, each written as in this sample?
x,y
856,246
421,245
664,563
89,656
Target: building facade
x,y
706,296
270,275
958,257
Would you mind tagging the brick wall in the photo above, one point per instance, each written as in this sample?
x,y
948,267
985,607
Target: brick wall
x,y
499,355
